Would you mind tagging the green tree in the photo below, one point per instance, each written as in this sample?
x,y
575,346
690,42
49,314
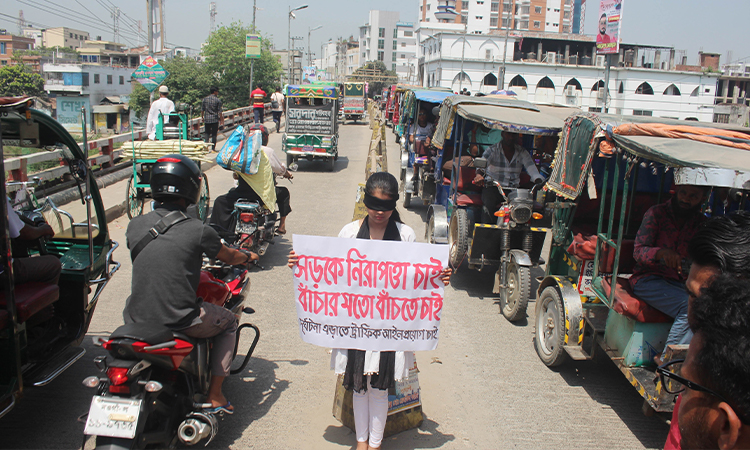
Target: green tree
x,y
19,80
225,60
376,75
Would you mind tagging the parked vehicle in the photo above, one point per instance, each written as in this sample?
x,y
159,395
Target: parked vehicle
x,y
608,172
153,390
416,169
355,101
43,324
511,246
312,127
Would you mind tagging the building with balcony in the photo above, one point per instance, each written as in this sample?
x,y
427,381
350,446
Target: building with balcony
x,y
10,43
385,38
84,85
569,73
64,37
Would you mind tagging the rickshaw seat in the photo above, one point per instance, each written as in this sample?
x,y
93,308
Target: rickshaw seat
x,y
32,298
626,303
469,199
465,180
3,319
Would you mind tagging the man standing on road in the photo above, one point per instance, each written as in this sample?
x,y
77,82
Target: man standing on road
x,y
212,115
277,107
163,106
256,99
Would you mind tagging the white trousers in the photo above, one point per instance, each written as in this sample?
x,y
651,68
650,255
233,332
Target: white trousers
x,y
370,414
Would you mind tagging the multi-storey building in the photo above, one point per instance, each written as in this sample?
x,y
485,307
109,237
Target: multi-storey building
x,y
483,16
385,38
65,37
10,43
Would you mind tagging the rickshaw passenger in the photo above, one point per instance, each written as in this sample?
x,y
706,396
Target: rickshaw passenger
x,y
43,268
421,135
661,245
505,160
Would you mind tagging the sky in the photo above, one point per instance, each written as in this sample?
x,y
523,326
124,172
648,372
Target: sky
x,y
716,26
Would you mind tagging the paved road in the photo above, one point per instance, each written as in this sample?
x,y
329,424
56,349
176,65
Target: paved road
x,y
484,387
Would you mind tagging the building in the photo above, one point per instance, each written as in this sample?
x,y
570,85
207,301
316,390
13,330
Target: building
x,y
385,38
547,69
483,16
108,53
733,94
352,59
283,57
37,34
65,37
85,85
10,43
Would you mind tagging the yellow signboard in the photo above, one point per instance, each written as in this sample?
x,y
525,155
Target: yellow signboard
x,y
252,46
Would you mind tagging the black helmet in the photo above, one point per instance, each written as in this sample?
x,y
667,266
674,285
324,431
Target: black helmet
x,y
175,176
263,131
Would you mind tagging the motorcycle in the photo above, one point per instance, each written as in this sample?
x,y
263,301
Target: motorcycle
x,y
153,389
254,226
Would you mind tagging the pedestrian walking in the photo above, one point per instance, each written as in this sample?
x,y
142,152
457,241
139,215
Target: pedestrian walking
x,y
256,99
212,116
277,107
370,373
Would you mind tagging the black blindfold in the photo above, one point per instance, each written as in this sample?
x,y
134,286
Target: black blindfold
x,y
377,204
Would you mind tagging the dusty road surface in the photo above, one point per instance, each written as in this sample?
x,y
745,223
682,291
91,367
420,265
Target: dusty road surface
x,y
483,388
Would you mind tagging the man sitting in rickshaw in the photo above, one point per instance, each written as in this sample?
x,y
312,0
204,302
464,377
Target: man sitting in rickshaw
x,y
505,160
661,247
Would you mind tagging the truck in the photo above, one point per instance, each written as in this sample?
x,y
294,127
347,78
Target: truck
x,y
354,104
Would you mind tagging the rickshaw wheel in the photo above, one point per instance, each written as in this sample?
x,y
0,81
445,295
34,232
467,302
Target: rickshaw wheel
x,y
135,201
549,335
516,297
458,237
407,199
289,160
203,200
431,230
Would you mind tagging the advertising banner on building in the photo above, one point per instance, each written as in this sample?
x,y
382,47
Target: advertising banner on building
x,y
307,119
369,295
69,112
608,28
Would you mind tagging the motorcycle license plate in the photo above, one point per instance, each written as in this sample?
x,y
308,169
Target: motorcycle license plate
x,y
113,417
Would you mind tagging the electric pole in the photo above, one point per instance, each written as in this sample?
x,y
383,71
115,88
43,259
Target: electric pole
x,y
212,12
116,26
252,61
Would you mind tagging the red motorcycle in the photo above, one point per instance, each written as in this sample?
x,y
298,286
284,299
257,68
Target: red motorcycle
x,y
154,391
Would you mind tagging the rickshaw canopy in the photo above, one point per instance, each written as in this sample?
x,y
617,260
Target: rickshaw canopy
x,y
517,120
312,91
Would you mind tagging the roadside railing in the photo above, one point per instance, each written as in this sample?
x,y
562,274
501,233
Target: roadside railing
x,y
18,166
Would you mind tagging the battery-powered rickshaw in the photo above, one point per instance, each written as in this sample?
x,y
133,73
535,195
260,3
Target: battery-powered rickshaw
x,y
312,127
608,171
513,242
416,156
43,323
172,136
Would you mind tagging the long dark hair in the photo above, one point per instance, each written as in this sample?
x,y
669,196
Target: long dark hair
x,y
388,185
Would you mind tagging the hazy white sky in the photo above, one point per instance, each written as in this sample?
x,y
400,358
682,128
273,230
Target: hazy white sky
x,y
712,25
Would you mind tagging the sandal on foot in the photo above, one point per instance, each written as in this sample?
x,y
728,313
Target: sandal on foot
x,y
225,409
280,233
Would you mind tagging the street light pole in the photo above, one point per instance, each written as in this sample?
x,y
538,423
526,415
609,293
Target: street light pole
x,y
289,58
309,55
463,49
501,78
252,60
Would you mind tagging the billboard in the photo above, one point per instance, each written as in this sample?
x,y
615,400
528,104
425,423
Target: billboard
x,y
308,74
150,74
252,46
608,27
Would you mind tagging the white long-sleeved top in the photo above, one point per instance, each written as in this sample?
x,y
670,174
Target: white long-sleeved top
x,y
164,106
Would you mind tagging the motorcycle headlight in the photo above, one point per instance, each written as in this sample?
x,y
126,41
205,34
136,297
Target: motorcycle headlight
x,y
521,213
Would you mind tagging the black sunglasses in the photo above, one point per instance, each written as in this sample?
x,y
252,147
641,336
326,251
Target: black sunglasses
x,y
674,384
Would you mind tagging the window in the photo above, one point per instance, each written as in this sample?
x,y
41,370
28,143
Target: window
x,y
488,54
642,112
694,93
381,44
393,56
479,2
71,35
408,33
4,62
672,90
395,45
428,8
96,78
464,19
621,89
478,17
381,56
495,7
3,48
381,32
84,79
403,44
403,56
493,21
593,109
109,79
395,33
721,118
537,24
76,36
644,89
464,5
122,79
393,67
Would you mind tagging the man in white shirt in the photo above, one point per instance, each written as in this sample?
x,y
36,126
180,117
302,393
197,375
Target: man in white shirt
x,y
277,108
163,106
43,268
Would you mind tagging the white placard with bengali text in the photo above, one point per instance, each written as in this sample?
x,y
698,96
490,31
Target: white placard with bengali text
x,y
369,295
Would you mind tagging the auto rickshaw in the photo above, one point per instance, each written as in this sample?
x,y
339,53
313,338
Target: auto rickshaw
x,y
312,128
512,246
42,324
416,173
609,170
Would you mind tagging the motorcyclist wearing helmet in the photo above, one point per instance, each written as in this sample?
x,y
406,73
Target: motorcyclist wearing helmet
x,y
260,187
166,271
